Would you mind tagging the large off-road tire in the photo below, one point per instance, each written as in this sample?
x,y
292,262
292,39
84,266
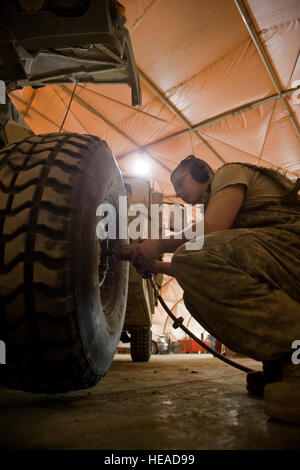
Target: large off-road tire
x,y
141,345
60,329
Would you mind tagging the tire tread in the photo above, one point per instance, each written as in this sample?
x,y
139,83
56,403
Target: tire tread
x,y
32,332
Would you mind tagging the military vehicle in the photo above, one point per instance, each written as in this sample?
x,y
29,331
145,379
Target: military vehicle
x,y
63,293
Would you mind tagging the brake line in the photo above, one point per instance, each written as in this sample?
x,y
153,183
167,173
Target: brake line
x,y
178,323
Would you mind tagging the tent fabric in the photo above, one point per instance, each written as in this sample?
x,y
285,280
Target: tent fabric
x,y
210,92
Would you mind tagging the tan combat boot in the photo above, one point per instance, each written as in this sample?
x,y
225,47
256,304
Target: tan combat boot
x,y
282,399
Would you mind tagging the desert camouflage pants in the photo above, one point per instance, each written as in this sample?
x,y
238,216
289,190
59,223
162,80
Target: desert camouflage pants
x,y
243,286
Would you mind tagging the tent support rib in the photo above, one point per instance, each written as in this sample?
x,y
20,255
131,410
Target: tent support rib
x,y
215,119
14,97
113,126
254,36
34,92
175,111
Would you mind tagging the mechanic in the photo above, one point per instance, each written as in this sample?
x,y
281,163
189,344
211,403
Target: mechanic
x,y
243,286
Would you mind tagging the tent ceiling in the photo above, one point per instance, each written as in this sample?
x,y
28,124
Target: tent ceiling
x,y
206,90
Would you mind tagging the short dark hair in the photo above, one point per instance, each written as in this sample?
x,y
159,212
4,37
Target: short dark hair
x,y
199,169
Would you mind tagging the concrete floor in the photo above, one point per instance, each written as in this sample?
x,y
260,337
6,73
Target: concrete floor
x,y
172,402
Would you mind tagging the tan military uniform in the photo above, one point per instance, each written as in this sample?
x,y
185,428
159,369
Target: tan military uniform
x,y
244,285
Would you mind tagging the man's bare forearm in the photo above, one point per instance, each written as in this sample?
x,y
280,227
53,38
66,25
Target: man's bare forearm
x,y
163,268
170,245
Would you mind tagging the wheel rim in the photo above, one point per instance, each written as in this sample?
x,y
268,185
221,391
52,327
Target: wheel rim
x,y
107,268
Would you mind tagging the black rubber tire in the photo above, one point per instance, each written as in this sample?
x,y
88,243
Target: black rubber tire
x,y
60,333
141,345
